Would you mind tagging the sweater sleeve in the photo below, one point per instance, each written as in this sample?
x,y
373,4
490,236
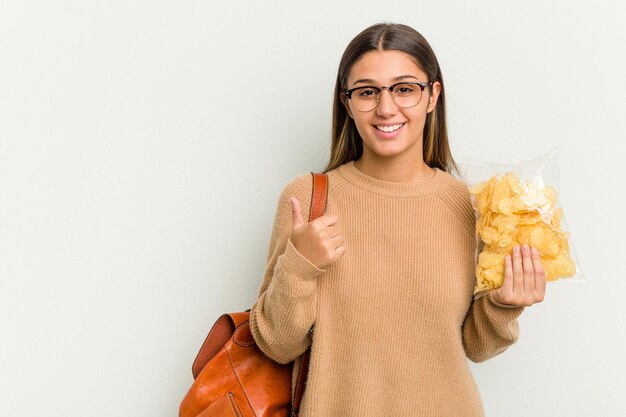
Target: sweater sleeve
x,y
489,328
285,311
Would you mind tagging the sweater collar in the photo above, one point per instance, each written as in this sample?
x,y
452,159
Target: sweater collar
x,y
351,173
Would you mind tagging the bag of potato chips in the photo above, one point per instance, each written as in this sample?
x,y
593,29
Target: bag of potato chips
x,y
517,205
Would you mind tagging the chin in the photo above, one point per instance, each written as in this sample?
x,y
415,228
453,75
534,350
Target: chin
x,y
388,153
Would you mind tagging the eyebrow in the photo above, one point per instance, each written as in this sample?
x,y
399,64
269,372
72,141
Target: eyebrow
x,y
368,80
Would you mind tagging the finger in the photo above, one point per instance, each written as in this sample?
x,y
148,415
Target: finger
x,y
540,274
529,272
340,251
327,220
296,212
338,241
332,231
336,248
507,285
518,272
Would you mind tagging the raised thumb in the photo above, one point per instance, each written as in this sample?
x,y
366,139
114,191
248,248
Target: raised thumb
x,y
296,212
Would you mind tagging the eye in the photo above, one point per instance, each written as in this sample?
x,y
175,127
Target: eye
x,y
367,92
405,89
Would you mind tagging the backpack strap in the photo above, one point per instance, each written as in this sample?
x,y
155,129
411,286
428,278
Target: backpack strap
x,y
319,198
319,195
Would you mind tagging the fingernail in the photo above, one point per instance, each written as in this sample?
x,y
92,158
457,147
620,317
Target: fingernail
x,y
534,251
516,250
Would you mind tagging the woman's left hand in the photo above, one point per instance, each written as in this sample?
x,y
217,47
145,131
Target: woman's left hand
x,y
524,279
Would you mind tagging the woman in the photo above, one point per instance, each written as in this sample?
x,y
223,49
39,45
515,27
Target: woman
x,y
381,286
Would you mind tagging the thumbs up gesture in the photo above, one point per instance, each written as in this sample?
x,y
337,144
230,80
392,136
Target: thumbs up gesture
x,y
320,241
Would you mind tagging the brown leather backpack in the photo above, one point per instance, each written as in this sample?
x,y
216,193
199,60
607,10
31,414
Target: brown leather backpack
x,y
232,377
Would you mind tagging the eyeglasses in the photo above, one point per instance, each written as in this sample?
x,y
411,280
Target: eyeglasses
x,y
405,94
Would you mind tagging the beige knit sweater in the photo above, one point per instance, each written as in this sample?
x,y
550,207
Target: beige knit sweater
x,y
393,320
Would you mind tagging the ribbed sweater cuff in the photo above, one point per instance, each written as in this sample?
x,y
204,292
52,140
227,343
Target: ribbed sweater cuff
x,y
497,304
295,263
502,314
297,276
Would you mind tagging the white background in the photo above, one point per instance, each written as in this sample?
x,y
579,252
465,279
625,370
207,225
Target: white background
x,y
144,144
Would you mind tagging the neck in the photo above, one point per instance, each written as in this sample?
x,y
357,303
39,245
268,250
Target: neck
x,y
401,170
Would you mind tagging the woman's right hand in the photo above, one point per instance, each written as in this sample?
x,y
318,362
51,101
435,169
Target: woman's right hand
x,y
320,241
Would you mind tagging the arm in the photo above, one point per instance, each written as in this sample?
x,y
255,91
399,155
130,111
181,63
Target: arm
x,y
491,325
285,310
489,328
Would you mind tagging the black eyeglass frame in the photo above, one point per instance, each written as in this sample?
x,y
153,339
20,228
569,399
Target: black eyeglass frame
x,y
422,85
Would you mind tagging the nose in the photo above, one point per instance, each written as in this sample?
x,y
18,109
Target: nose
x,y
386,106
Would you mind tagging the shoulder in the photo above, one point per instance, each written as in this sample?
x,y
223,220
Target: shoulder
x,y
458,190
458,199
300,186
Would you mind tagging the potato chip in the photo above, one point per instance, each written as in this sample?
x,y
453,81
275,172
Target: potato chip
x,y
505,240
544,241
509,206
489,235
556,218
529,218
489,259
504,223
501,191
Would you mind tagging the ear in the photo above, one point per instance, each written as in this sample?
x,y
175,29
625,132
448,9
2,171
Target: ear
x,y
435,89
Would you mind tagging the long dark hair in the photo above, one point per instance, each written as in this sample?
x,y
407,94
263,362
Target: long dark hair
x,y
346,143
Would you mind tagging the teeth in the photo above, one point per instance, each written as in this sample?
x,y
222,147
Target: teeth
x,y
389,128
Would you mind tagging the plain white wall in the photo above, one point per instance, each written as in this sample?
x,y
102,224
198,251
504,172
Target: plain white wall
x,y
143,146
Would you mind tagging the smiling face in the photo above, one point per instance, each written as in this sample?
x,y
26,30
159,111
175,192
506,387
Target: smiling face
x,y
403,127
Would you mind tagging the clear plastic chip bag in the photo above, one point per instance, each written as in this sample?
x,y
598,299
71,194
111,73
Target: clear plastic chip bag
x,y
517,205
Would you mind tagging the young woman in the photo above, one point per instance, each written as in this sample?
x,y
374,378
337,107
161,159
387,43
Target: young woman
x,y
381,286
